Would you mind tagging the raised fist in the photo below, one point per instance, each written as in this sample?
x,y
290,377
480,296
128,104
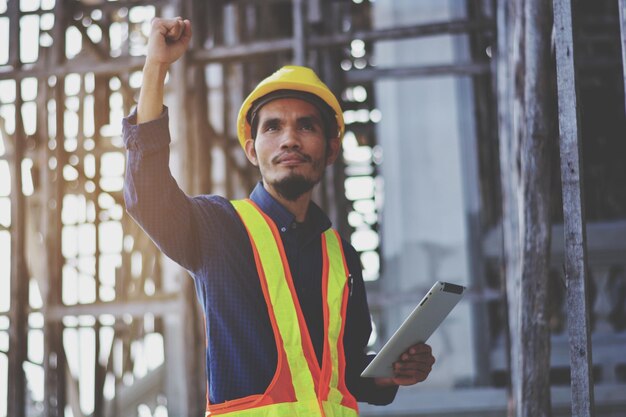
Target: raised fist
x,y
169,39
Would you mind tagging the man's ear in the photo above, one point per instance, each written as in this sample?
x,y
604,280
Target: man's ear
x,y
334,147
251,152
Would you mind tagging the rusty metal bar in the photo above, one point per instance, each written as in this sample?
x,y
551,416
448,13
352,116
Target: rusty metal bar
x,y
574,216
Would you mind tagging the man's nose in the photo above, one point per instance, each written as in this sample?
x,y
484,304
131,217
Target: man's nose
x,y
290,139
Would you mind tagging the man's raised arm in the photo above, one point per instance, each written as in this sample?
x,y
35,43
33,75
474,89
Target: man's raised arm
x,y
152,196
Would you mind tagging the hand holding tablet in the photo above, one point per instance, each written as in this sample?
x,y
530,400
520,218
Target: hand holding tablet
x,y
417,328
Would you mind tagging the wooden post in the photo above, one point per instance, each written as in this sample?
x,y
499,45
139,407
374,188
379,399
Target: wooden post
x,y
184,333
510,226
53,190
299,39
525,109
574,216
18,313
622,25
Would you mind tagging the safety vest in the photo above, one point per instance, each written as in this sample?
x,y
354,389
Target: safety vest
x,y
300,388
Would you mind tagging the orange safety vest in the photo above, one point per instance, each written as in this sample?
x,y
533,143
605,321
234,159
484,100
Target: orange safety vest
x,y
300,388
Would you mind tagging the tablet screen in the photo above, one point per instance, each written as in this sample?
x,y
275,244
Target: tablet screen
x,y
417,328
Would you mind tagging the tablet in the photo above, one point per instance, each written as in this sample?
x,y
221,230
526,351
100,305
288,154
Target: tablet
x,y
417,327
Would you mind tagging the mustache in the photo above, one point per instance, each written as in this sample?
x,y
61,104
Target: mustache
x,y
299,154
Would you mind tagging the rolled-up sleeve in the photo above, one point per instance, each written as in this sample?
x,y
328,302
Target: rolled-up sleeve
x,y
146,138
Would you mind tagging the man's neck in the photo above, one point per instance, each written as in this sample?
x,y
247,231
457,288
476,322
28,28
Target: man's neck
x,y
296,207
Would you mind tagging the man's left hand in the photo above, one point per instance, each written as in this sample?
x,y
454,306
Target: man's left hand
x,y
413,366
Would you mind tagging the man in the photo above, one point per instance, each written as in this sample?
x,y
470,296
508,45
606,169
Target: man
x,y
286,315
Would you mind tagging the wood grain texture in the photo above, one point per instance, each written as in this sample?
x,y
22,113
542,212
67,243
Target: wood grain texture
x,y
574,215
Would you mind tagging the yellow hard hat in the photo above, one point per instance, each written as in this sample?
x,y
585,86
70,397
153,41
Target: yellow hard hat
x,y
290,77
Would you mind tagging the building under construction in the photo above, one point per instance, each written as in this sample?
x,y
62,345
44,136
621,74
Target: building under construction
x,y
485,145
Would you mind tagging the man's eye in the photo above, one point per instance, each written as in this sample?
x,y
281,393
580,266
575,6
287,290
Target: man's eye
x,y
308,126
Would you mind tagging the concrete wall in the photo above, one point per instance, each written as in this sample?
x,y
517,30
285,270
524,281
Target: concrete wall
x,y
424,219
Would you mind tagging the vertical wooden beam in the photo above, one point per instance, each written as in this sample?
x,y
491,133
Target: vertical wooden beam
x,y
510,226
525,110
18,312
183,334
54,357
622,25
536,145
101,115
472,102
574,215
299,39
13,11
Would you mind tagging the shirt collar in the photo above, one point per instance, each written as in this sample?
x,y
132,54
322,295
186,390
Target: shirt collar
x,y
316,220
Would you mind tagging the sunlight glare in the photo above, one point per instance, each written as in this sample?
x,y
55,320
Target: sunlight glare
x,y
5,181
5,212
4,370
29,89
5,270
29,5
29,117
29,38
27,177
4,40
47,21
95,33
7,91
73,42
47,4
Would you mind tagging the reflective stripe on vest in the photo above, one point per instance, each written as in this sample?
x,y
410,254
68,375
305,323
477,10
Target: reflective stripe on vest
x,y
299,387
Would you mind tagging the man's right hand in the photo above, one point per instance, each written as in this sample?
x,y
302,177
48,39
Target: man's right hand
x,y
168,41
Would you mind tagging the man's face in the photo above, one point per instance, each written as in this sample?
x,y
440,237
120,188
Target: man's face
x,y
290,148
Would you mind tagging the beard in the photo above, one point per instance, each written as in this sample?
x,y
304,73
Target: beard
x,y
293,186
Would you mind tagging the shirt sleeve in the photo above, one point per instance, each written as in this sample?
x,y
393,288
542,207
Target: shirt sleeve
x,y
356,336
152,196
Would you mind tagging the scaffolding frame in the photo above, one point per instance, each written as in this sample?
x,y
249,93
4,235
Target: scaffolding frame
x,y
242,62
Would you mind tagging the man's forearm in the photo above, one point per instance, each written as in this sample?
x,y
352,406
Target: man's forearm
x,y
150,103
